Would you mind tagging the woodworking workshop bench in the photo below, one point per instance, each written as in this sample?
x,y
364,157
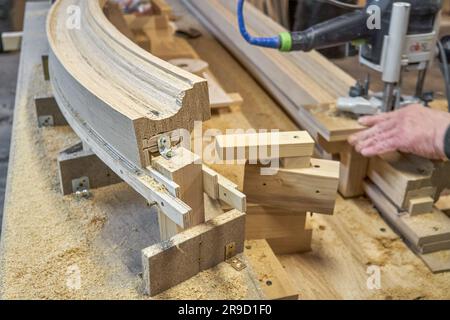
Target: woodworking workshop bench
x,y
56,247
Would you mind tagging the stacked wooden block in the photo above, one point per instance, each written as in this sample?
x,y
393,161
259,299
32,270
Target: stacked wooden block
x,y
404,188
278,204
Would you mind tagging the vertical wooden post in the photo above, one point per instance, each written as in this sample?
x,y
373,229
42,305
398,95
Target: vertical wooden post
x,y
353,171
185,169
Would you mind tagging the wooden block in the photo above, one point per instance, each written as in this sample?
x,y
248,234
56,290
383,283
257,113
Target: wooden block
x,y
402,177
76,162
192,251
114,14
295,163
437,262
269,222
418,230
185,169
299,243
353,171
48,112
11,41
420,205
312,189
161,7
262,146
166,46
273,279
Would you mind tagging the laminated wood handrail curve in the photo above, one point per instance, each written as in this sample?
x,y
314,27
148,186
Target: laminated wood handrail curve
x,y
123,92
117,97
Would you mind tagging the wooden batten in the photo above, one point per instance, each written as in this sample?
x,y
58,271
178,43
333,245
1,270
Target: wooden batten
x,y
263,146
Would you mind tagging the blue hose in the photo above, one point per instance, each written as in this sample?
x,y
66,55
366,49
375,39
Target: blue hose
x,y
272,42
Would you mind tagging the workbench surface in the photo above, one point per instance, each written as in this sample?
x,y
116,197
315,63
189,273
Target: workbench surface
x,y
47,239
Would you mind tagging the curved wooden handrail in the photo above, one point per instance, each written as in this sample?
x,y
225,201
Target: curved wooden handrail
x,y
123,93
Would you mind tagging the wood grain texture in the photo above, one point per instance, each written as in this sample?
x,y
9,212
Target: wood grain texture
x,y
312,189
122,92
192,251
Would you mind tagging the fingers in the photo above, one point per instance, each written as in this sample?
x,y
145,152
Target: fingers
x,y
376,139
380,148
381,127
373,120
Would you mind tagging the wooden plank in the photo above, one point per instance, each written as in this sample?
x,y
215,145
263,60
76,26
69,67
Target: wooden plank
x,y
328,122
192,251
271,275
154,96
312,189
263,146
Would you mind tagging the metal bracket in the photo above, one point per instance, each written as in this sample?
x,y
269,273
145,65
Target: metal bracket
x,y
230,250
165,147
81,186
46,121
237,264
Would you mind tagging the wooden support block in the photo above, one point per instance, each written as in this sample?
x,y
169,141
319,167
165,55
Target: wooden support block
x,y
270,222
142,40
402,178
218,97
420,205
353,172
299,243
11,41
114,14
312,189
419,230
295,163
437,262
166,46
263,146
81,169
185,169
183,256
45,70
273,279
48,112
161,7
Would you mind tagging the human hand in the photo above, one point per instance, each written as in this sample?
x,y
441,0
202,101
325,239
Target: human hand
x,y
414,129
